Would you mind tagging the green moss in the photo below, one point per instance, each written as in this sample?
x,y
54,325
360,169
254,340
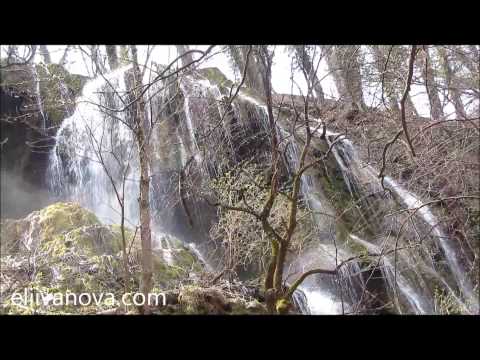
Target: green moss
x,y
445,303
242,307
283,306
164,274
215,76
64,217
52,78
186,260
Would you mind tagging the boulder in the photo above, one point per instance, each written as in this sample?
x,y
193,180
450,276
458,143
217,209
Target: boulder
x,y
64,248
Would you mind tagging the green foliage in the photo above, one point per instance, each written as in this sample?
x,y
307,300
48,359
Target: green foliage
x,y
241,235
215,76
446,304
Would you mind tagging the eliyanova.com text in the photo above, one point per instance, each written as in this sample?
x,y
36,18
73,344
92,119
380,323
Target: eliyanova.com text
x,y
31,297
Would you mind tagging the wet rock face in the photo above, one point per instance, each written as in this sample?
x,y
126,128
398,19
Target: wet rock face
x,y
10,102
25,142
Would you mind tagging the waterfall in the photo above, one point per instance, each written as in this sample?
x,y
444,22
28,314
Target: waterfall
x,y
96,134
90,136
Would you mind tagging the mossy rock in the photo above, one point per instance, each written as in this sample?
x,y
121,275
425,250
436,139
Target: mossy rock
x,y
74,252
215,76
197,300
243,307
10,233
99,239
52,78
63,217
44,225
283,306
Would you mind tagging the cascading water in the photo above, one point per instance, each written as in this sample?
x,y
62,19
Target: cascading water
x,y
93,149
76,173
413,287
361,182
451,255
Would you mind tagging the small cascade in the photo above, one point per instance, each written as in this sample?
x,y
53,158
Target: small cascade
x,y
301,302
412,202
163,245
418,302
194,248
320,303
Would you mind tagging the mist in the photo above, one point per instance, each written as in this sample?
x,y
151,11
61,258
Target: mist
x,y
19,198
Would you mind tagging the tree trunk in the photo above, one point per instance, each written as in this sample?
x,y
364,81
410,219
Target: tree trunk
x,y
141,135
186,59
124,57
63,60
279,266
350,65
145,231
254,78
386,72
400,55
428,75
467,61
12,53
343,64
99,68
13,57
45,54
310,70
334,69
269,278
452,84
469,58
112,56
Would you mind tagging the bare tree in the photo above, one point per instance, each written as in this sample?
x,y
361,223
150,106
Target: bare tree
x,y
141,129
239,55
187,56
15,58
112,56
98,146
124,57
428,76
343,63
278,298
63,60
45,54
388,79
310,70
452,83
95,55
